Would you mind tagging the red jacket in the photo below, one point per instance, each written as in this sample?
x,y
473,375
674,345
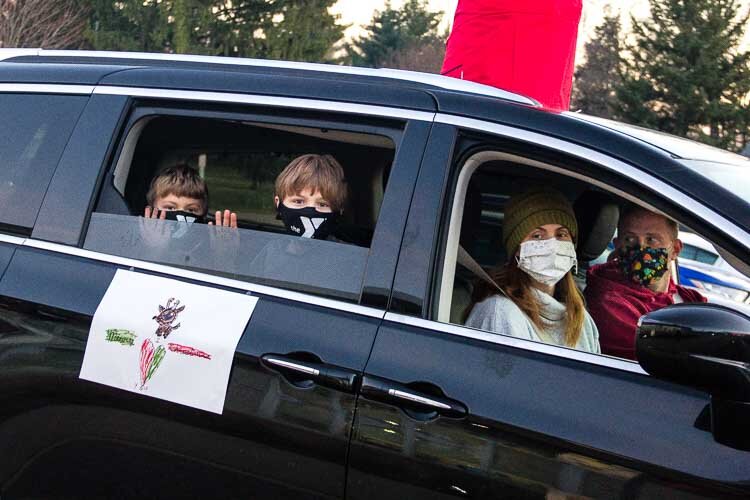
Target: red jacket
x,y
616,304
526,47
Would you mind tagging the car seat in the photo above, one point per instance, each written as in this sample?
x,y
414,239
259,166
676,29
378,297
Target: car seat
x,y
597,215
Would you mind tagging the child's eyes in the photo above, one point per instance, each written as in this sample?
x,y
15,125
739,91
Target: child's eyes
x,y
323,204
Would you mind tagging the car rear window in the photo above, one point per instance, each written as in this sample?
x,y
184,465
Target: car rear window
x,y
33,132
239,160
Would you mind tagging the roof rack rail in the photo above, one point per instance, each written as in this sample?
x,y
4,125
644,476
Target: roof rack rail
x,y
440,81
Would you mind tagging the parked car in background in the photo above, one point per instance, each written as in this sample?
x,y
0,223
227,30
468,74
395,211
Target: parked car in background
x,y
701,267
355,376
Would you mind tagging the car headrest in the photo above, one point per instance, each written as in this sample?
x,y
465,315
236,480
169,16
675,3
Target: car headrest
x,y
597,216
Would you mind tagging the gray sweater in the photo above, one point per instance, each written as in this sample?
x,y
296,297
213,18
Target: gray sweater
x,y
499,314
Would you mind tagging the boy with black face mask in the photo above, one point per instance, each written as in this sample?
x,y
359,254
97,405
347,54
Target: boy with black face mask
x,y
637,281
310,194
179,193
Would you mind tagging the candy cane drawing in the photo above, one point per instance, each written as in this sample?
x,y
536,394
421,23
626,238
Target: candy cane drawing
x,y
150,360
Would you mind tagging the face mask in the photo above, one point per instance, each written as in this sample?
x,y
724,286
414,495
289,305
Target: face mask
x,y
184,219
307,222
183,216
547,261
642,265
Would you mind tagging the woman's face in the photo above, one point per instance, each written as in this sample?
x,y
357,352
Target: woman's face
x,y
548,231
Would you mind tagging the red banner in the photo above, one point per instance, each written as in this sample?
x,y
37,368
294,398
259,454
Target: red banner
x,y
523,46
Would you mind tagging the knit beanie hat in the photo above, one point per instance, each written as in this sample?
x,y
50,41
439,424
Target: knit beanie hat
x,y
525,212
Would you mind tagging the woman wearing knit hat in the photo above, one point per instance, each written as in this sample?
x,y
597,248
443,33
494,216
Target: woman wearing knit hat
x,y
534,295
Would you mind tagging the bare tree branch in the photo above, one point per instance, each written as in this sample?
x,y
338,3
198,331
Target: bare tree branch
x,y
51,24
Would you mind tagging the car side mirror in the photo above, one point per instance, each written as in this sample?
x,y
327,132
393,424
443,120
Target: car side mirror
x,y
705,346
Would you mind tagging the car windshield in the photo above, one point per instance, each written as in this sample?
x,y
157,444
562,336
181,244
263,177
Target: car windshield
x,y
734,178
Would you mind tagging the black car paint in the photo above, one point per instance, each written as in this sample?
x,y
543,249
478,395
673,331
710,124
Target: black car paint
x,y
630,435
50,299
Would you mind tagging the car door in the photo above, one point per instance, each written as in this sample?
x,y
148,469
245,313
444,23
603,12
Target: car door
x,y
285,426
452,412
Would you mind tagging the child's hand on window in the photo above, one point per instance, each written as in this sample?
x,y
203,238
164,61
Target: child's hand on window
x,y
225,219
225,240
154,213
154,232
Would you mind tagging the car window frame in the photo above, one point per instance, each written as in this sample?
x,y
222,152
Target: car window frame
x,y
382,257
622,178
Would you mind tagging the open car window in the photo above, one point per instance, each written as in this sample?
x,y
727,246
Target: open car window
x,y
239,160
475,247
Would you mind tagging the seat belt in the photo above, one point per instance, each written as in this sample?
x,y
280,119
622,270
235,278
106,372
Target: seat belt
x,y
472,265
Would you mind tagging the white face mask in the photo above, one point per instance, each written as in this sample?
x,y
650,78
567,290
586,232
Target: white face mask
x,y
547,261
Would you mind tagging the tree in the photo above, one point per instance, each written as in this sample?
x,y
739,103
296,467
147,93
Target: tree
x,y
393,30
48,24
306,32
129,25
424,55
300,30
686,75
596,81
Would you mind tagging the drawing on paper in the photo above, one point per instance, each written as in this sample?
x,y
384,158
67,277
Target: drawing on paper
x,y
186,349
152,352
151,358
120,336
168,315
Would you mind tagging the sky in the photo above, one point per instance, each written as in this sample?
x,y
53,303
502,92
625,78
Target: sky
x,y
358,13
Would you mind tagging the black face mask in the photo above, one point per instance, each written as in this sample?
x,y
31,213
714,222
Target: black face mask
x,y
183,216
307,222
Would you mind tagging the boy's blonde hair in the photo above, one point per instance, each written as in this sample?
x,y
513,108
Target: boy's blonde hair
x,y
178,180
317,173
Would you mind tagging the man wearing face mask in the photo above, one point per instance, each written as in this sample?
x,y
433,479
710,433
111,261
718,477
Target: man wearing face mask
x,y
637,281
533,295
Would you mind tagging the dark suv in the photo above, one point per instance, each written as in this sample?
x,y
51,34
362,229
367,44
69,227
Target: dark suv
x,y
354,377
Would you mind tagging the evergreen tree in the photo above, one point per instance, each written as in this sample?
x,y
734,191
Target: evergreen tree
x,y
686,75
596,81
393,30
307,31
131,25
300,30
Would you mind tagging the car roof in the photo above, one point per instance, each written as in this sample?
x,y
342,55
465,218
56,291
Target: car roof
x,y
406,79
678,147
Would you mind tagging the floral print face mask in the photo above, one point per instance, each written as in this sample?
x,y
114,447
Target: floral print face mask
x,y
642,265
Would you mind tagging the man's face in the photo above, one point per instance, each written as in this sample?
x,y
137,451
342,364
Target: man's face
x,y
647,229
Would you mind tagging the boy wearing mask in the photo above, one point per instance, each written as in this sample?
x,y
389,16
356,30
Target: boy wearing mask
x,y
179,193
310,194
637,281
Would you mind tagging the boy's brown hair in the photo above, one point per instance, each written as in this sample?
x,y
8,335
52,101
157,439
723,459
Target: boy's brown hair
x,y
317,173
179,180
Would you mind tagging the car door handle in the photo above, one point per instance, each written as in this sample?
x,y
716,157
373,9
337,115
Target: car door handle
x,y
412,396
296,369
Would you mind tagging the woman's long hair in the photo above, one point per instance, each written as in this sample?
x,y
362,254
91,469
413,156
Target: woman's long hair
x,y
518,285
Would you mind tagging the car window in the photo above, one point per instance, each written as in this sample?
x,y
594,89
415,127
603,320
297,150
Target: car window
x,y
698,254
477,258
238,161
33,132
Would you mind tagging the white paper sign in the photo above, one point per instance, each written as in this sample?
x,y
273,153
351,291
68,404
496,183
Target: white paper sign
x,y
166,339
